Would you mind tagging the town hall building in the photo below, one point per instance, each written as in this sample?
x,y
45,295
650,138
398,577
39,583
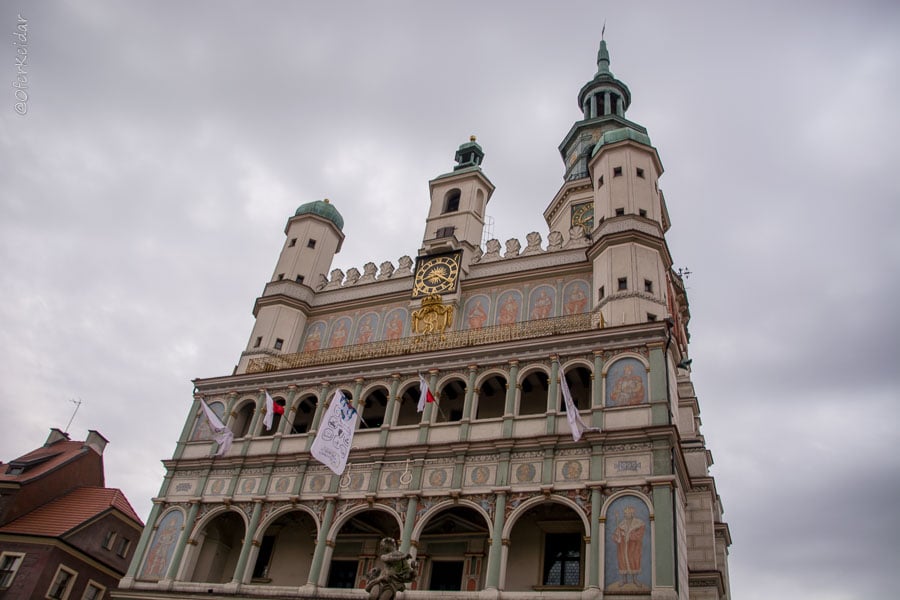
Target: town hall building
x,y
487,488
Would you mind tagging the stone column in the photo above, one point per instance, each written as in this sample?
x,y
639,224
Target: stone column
x,y
429,408
467,404
315,567
606,104
357,400
512,387
248,543
594,106
409,522
597,391
256,423
186,531
595,566
389,410
492,581
287,419
553,395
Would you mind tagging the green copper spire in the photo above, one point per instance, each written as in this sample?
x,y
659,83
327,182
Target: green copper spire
x,y
603,59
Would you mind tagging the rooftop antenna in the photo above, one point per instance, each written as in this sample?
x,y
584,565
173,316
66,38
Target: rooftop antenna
x,y
603,31
77,404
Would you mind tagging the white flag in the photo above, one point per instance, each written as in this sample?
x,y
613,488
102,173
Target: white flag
x,y
576,423
221,434
332,444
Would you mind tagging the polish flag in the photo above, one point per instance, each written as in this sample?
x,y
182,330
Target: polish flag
x,y
425,396
272,409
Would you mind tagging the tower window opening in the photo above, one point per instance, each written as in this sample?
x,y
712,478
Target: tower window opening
x,y
601,292
451,201
600,182
648,286
640,172
623,283
651,317
443,232
279,343
617,171
311,243
620,212
299,278
642,212
280,276
292,243
257,342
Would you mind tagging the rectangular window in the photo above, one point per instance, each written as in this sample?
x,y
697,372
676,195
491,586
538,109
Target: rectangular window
x,y
9,565
617,171
642,212
122,547
93,591
600,182
299,278
280,276
292,243
562,559
648,286
279,343
62,584
640,173
620,212
623,283
651,317
109,539
256,344
311,243
445,232
601,293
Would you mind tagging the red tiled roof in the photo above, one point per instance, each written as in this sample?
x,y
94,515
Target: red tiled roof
x,y
64,514
41,460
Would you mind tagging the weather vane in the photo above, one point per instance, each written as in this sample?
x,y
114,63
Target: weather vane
x,y
603,30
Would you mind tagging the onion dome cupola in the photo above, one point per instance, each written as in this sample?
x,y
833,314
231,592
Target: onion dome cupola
x,y
322,208
604,94
469,154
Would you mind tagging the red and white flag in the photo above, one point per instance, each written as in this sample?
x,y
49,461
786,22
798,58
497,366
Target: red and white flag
x,y
425,395
272,409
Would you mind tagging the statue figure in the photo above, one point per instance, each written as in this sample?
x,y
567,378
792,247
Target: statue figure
x,y
512,248
493,251
398,570
337,276
534,244
387,269
405,267
352,276
368,272
554,241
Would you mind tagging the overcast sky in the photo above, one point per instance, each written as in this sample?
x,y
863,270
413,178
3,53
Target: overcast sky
x,y
145,192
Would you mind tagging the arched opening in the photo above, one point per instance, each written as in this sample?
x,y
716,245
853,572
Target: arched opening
x,y
546,550
407,407
241,425
303,417
491,398
533,395
220,547
450,401
453,549
373,408
451,201
202,430
356,546
579,380
286,550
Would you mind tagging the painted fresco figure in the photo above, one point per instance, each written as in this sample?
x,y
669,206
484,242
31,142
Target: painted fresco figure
x,y
509,311
577,301
543,306
477,316
398,570
629,388
629,539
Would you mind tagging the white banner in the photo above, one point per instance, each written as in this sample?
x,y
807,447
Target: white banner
x,y
332,444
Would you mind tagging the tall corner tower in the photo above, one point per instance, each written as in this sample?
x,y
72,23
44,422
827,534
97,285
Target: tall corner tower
x,y
312,237
458,203
611,194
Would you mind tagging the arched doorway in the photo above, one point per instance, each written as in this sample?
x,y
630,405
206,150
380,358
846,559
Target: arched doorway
x,y
546,550
286,550
219,545
453,549
356,547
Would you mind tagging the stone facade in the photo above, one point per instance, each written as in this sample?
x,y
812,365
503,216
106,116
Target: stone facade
x,y
487,488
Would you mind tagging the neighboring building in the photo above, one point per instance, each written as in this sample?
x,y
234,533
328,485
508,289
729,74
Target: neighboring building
x,y
63,534
487,487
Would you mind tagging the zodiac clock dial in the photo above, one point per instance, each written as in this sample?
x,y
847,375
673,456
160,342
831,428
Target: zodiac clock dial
x,y
436,274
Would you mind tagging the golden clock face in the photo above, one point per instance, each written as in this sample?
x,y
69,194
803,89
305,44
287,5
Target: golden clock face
x,y
583,214
436,274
